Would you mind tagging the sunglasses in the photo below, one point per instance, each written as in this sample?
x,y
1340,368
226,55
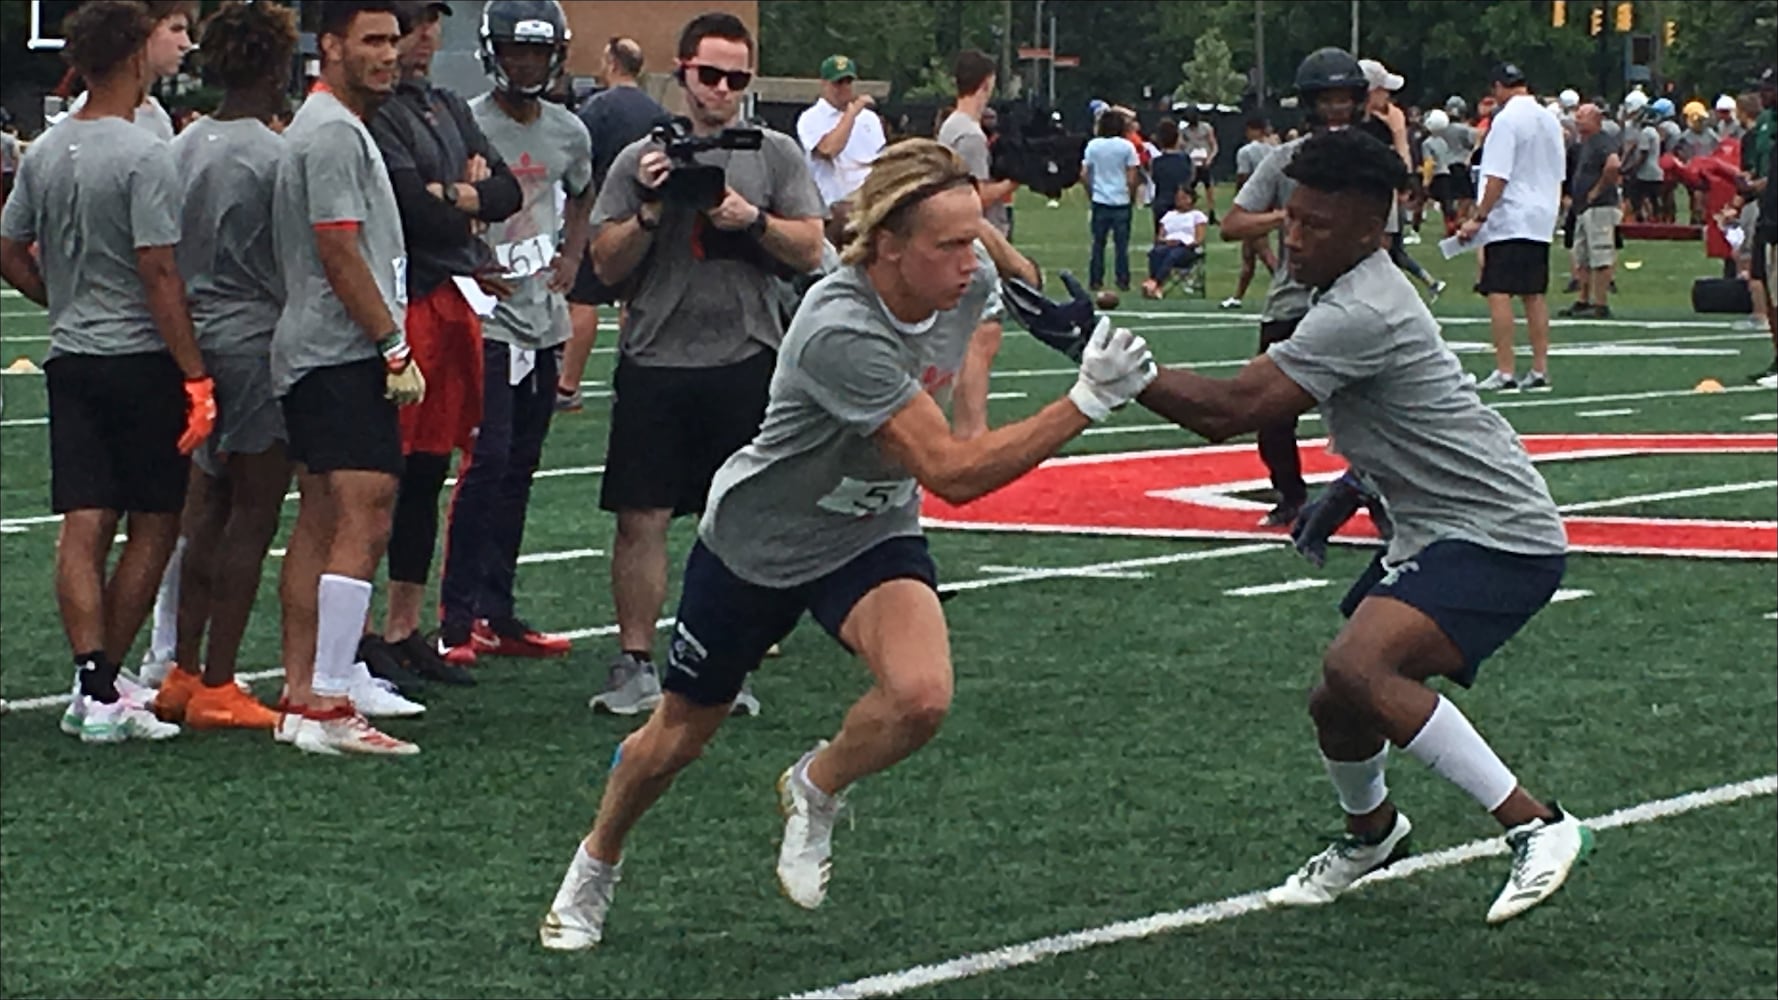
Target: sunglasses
x,y
710,76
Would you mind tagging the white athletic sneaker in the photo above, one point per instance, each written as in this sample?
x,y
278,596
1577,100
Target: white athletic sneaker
x,y
1344,862
1767,381
1544,852
288,724
132,690
632,687
1231,303
154,670
746,703
75,713
377,698
804,856
576,918
122,720
1496,382
348,734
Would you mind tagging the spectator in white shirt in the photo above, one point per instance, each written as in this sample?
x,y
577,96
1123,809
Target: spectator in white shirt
x,y
1179,243
842,136
1523,162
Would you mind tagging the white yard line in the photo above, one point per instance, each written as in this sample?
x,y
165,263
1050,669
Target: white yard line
x,y
1204,914
1569,594
1760,416
1287,586
1700,491
1626,411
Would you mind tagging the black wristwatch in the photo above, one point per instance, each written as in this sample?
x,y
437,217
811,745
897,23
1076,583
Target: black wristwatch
x,y
757,228
648,225
450,195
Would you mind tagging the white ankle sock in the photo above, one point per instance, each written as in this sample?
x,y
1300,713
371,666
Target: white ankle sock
x,y
1359,783
1449,745
164,639
343,603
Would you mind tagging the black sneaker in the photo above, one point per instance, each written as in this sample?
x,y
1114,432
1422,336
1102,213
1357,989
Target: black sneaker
x,y
385,662
1281,516
1577,309
423,658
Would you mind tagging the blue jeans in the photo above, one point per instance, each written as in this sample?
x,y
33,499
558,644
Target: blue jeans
x,y
1164,258
1113,221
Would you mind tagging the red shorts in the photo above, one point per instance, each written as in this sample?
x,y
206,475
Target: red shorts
x,y
445,336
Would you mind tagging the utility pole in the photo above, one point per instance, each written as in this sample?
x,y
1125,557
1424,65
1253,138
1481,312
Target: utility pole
x,y
1354,28
1053,60
1259,54
1036,66
1006,64
1604,54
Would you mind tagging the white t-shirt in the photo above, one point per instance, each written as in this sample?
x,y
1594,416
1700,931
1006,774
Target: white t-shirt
x,y
1524,148
1182,227
839,177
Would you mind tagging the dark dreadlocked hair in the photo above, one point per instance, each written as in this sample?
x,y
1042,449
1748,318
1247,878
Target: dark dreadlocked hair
x,y
244,43
103,34
1349,160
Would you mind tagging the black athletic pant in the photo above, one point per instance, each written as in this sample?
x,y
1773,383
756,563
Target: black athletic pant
x,y
1277,442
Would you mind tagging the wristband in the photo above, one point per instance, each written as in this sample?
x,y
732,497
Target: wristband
x,y
393,347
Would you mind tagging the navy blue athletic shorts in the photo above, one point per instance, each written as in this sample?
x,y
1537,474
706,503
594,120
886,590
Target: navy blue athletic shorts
x,y
726,624
1479,597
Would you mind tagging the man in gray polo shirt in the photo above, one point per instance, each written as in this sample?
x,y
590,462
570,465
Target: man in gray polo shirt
x,y
701,329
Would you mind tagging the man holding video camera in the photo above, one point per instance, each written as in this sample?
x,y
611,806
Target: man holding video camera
x,y
694,223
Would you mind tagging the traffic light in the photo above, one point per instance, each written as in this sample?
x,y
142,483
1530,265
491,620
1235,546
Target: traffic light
x,y
1670,33
1596,23
1558,13
1625,19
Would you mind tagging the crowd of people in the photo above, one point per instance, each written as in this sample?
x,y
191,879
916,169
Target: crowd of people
x,y
394,278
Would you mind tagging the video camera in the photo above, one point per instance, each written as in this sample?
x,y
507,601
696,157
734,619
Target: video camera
x,y
699,185
1036,151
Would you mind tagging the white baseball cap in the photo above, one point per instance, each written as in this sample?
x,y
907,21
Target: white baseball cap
x,y
1570,98
1725,103
1378,77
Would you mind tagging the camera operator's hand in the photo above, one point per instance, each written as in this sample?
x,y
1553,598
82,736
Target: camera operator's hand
x,y
735,212
652,169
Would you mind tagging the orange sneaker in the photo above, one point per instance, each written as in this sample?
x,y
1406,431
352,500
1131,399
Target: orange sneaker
x,y
228,707
175,694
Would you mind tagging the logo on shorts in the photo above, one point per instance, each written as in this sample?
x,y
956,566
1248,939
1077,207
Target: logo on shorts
x,y
1194,493
1393,574
684,650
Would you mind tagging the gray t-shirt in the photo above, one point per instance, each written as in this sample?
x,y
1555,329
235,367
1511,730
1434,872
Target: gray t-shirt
x,y
1648,149
1589,163
813,490
1396,406
1267,191
965,137
230,266
1199,136
9,153
686,308
90,193
1438,149
552,151
331,175
1249,157
150,115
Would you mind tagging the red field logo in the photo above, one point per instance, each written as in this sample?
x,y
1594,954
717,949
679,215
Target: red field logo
x,y
1190,493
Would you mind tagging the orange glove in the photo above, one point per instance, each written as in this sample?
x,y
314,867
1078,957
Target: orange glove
x,y
200,412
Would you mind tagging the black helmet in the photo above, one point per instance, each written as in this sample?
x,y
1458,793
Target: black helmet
x,y
1330,68
524,22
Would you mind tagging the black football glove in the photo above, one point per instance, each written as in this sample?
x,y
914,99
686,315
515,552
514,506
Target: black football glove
x,y
1065,326
1329,512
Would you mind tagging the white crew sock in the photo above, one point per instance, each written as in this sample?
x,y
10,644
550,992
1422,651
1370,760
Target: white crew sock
x,y
1449,745
163,641
1359,783
343,603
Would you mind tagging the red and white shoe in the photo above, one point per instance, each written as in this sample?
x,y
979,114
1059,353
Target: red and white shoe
x,y
513,637
343,730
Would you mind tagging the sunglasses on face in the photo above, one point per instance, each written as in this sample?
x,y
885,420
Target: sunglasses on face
x,y
710,76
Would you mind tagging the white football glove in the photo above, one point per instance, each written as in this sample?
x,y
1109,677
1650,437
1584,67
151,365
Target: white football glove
x,y
1115,367
402,382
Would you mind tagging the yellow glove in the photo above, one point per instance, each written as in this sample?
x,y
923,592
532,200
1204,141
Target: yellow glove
x,y
403,383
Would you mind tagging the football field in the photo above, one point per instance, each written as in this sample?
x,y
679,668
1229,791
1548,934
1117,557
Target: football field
x,y
1127,765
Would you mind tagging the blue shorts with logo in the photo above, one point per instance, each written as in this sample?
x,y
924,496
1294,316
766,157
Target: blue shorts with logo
x,y
1479,597
725,624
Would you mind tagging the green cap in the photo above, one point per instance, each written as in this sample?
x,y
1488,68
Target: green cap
x,y
836,68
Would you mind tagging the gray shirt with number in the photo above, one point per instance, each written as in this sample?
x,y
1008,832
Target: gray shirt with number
x,y
965,137
331,175
1267,191
550,151
687,308
1396,406
230,266
813,490
90,193
1249,157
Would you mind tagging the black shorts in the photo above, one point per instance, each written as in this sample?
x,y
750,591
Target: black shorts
x,y
338,420
1441,192
1462,183
725,624
1479,597
1756,267
1515,267
1276,331
672,428
1201,178
588,290
114,427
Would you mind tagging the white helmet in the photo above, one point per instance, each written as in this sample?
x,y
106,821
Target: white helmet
x,y
1437,121
1725,103
1570,98
1635,102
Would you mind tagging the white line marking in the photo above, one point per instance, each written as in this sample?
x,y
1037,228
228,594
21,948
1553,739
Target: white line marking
x,y
1006,395
1032,952
1101,574
1700,491
1266,589
1750,418
26,422
1604,413
1771,616
1569,594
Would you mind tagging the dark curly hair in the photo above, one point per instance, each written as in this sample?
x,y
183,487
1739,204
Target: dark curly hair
x,y
103,34
1349,160
245,43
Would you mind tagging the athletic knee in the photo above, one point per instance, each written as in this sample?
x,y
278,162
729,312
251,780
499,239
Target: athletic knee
x,y
1348,678
1325,707
921,707
639,527
662,750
